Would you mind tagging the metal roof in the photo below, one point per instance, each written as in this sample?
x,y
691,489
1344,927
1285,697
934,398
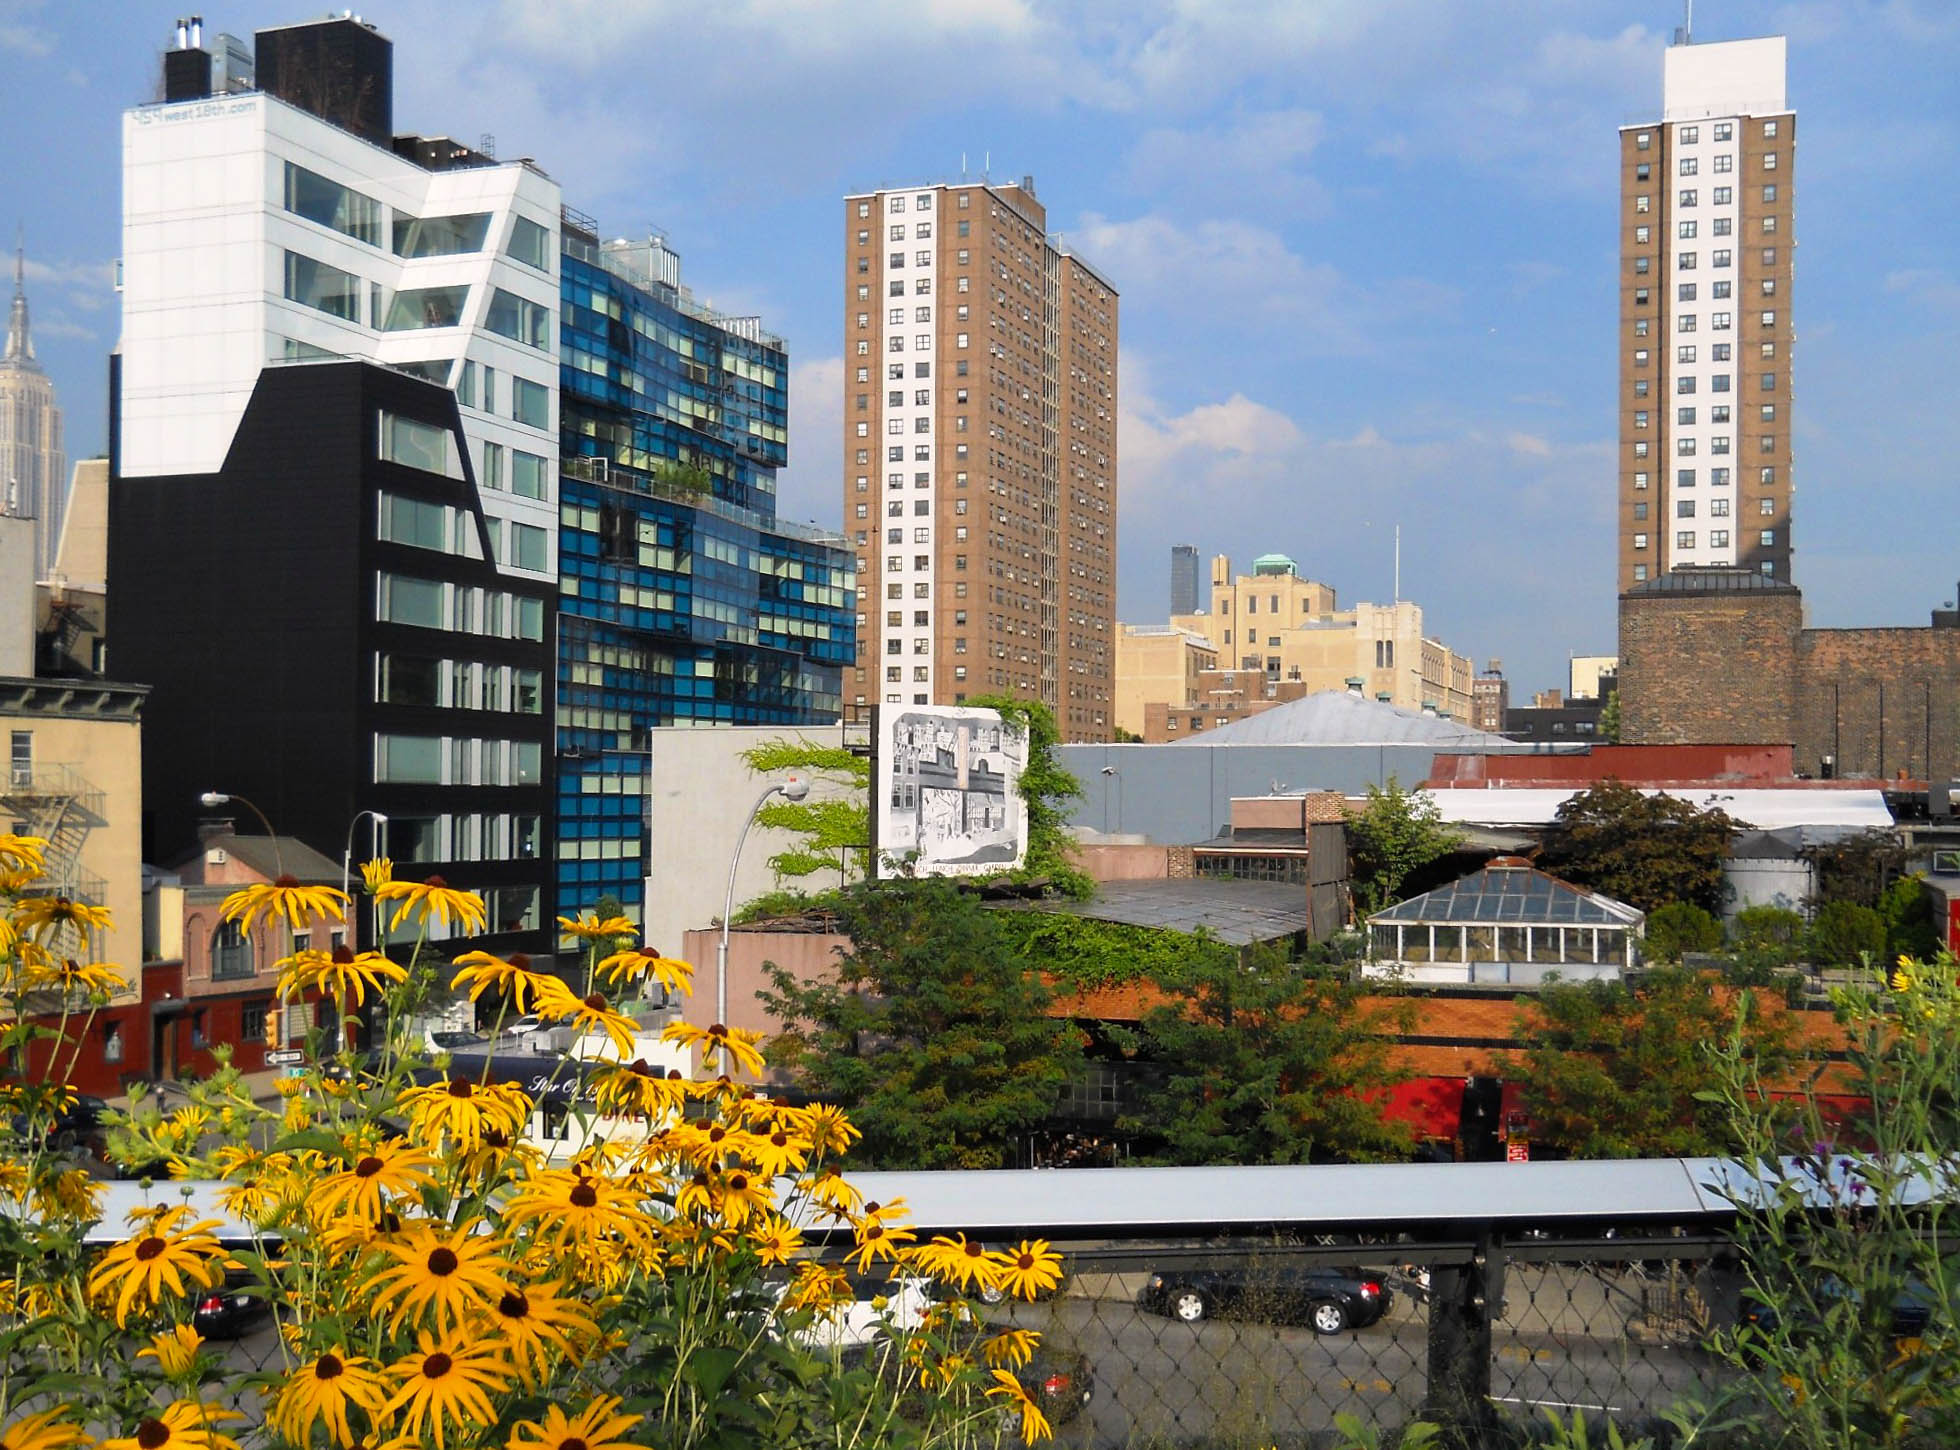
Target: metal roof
x,y
1238,913
1519,895
1341,717
1763,809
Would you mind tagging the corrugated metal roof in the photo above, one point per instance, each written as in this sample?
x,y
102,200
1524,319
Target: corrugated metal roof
x,y
1512,895
1340,717
1238,913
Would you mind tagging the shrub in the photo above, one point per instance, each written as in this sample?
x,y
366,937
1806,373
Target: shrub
x,y
1769,930
1845,934
1681,927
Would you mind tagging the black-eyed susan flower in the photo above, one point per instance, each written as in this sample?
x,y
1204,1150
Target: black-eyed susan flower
x,y
568,1206
1009,1349
46,917
445,1385
68,976
341,973
286,900
740,1195
1027,1269
376,874
1019,1403
598,1426
25,854
465,1110
592,1014
538,1323
68,1195
322,1391
44,1430
174,1350
447,1273
639,963
959,1261
435,897
635,1090
181,1425
877,1239
394,1169
594,928
169,1252
734,1043
778,1152
513,978
776,1240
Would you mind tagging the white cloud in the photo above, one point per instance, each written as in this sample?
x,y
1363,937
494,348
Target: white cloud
x,y
812,487
1256,160
1528,443
1926,286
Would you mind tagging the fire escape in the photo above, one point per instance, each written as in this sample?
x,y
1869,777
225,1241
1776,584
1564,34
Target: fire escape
x,y
58,804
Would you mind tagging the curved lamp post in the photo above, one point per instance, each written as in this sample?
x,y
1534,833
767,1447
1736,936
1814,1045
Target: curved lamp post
x,y
790,788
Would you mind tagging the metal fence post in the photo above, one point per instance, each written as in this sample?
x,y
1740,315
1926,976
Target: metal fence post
x,y
1464,1298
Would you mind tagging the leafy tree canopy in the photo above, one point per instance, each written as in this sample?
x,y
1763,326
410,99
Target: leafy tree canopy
x,y
1857,868
932,1032
834,832
1645,850
1047,787
1844,934
1618,1069
1681,927
1396,834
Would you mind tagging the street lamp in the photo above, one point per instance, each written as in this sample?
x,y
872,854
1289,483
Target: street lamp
x,y
378,822
790,788
211,800
1110,772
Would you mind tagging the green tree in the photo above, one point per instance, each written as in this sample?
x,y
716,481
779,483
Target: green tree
x,y
1843,934
1617,1069
1771,930
1906,907
1857,868
835,832
1047,787
1268,1062
1396,834
1678,928
932,1032
1609,720
1644,850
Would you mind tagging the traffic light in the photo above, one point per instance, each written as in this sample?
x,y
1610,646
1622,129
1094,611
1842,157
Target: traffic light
x,y
274,1027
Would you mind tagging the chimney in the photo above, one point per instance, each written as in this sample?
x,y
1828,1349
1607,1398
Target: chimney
x,y
187,69
211,827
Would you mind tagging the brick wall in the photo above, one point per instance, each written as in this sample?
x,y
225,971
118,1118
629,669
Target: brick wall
x,y
1881,701
1709,668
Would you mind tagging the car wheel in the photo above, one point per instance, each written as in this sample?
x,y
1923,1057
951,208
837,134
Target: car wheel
x,y
990,1294
1188,1305
1328,1317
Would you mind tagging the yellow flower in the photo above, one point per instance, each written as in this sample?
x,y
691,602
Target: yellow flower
x,y
480,971
181,1425
322,1392
172,1253
597,1427
878,1240
174,1350
283,900
635,1090
452,1274
538,1322
816,1286
377,873
44,1429
446,1382
740,1195
395,1168
1033,1424
777,1152
44,916
731,1042
1027,1269
466,1110
637,962
23,853
590,1015
591,928
960,1262
340,973
568,1207
436,898
70,1194
1010,1349
67,975
777,1241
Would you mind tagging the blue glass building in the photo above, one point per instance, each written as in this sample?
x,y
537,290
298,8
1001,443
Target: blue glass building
x,y
682,598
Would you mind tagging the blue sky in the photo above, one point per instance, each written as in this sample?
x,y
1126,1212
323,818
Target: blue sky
x,y
1366,247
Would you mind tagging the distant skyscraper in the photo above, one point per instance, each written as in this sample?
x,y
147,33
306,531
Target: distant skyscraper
x,y
1706,200
1184,578
980,454
33,468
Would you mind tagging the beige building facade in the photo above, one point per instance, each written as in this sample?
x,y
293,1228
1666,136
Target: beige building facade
x,y
1292,628
1158,664
980,477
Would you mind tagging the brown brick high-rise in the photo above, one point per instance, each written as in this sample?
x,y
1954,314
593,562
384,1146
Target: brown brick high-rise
x,y
979,455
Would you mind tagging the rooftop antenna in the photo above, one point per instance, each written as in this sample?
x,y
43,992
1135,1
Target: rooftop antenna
x,y
1685,35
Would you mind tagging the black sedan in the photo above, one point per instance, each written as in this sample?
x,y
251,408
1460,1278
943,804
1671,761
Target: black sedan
x,y
231,1310
1326,1300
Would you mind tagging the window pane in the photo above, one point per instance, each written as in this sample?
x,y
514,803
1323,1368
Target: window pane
x,y
530,619
525,762
406,600
439,236
415,444
413,522
513,317
530,403
410,680
528,688
416,759
531,243
314,197
412,838
418,307
527,546
528,476
326,289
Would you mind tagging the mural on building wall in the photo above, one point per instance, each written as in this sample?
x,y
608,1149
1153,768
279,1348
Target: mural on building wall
x,y
948,782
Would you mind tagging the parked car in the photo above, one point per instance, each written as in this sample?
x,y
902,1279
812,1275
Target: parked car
x,y
523,1026
454,1041
79,1123
1910,1316
1326,1300
228,1311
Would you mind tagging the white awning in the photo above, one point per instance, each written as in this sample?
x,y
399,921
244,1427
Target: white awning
x,y
1766,810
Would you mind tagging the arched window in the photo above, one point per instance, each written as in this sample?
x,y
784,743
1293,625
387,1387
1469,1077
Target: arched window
x,y
231,953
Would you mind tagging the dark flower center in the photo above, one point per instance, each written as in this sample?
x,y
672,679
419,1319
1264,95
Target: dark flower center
x,y
442,1262
873,1206
389,1222
437,1365
584,1195
1026,1261
521,960
720,1029
495,1138
597,1001
640,1068
368,1167
974,1251
153,1435
459,1087
571,1442
150,1248
328,1367
738,1183
287,880
673,1074
873,1231
440,885
343,955
513,1305
717,1133
779,1139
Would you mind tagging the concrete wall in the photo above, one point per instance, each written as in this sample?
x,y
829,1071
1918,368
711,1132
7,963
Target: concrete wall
x,y
17,599
699,794
807,957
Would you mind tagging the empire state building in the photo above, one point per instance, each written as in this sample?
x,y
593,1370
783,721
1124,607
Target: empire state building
x,y
33,468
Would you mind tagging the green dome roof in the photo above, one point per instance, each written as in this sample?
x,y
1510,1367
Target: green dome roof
x,y
1274,564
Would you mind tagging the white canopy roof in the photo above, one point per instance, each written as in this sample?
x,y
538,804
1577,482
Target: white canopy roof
x,y
1766,810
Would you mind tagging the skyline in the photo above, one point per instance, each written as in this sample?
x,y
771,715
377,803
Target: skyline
x,y
1404,231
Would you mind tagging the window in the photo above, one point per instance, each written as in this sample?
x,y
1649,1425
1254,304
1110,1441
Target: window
x,y
1685,292
1640,387
1768,537
1685,353
1684,508
1643,172
1724,226
1640,513
1684,416
513,317
407,600
1684,447
1721,321
1721,290
1718,538
530,244
1765,505
1719,444
1639,541
1685,262
1643,140
410,759
323,288
1684,478
530,403
1686,230
1722,257
1690,135
1725,162
528,548
419,307
1718,383
1640,357
1685,384
1639,573
1769,223
1642,235
413,522
1766,444
1724,195
441,236
1639,420
1689,166
530,475
1718,476
1768,319
1769,161
1641,328
21,745
1640,450
1719,413
1767,476
1685,323
414,444
1640,480
1769,193
1689,196
1643,203
1684,540
313,196
1642,265
1719,352
231,955
1718,508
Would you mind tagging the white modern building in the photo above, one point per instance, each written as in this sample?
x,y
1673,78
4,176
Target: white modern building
x,y
1706,335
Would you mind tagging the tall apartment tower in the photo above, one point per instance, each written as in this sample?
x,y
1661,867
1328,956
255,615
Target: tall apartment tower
x,y
33,468
1184,578
979,454
1707,242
